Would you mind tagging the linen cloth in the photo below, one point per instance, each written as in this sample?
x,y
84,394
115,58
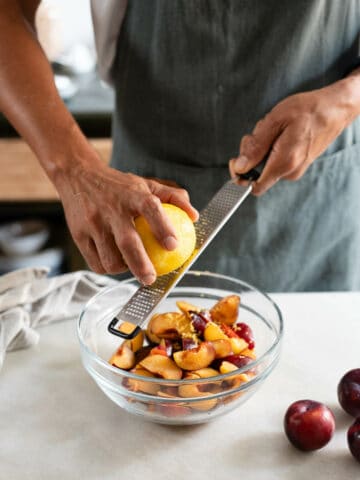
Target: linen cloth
x,y
28,300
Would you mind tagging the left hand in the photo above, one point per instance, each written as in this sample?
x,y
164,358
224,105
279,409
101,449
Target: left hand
x,y
296,131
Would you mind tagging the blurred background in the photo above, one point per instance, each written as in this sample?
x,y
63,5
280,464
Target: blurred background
x,y
32,226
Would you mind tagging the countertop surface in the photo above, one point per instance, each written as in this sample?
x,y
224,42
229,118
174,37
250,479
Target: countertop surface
x,y
57,424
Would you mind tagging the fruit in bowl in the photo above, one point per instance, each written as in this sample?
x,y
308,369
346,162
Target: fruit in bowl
x,y
176,374
192,343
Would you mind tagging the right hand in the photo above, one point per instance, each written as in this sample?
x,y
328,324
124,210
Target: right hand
x,y
100,204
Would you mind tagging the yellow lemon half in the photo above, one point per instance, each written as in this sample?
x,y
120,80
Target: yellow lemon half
x,y
166,261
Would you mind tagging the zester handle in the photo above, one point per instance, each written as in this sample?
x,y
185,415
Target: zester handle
x,y
253,174
212,218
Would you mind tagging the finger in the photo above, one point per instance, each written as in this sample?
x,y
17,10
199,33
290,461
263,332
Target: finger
x,y
169,183
109,254
133,252
159,222
177,196
234,175
149,206
285,158
299,171
254,147
296,174
89,252
151,209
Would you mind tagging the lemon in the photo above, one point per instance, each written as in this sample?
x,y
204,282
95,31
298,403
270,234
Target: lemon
x,y
166,261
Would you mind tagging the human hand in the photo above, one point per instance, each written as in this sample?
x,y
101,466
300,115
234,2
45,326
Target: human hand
x,y
296,132
100,204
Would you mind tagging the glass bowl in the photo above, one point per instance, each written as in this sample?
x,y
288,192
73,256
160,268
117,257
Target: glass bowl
x,y
181,402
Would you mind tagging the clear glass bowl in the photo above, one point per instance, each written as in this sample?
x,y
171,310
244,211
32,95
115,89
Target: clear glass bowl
x,y
158,399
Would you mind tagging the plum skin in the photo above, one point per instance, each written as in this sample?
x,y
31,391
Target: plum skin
x,y
349,392
353,438
309,425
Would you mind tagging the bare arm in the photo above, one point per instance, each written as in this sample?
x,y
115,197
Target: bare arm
x,y
99,202
28,97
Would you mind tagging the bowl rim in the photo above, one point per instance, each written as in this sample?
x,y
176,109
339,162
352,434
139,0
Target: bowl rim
x,y
157,380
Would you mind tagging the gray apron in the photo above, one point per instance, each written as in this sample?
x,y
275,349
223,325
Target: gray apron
x,y
193,76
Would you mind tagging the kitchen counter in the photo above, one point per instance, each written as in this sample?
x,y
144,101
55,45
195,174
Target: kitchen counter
x,y
57,424
19,164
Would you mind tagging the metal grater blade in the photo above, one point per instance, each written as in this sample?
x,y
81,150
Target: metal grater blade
x,y
212,218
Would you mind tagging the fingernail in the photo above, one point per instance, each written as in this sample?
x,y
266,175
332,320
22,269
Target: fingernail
x,y
241,162
170,243
148,279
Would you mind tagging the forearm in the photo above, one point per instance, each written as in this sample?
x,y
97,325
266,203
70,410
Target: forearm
x,y
29,98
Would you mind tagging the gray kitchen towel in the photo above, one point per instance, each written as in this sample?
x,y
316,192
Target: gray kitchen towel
x,y
28,299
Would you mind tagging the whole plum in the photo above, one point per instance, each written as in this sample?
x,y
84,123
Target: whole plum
x,y
309,425
349,392
353,437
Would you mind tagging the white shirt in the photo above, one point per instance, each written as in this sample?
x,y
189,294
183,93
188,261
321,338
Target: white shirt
x,y
107,16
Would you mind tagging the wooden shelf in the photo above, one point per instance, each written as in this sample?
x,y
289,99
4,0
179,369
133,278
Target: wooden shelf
x,y
22,179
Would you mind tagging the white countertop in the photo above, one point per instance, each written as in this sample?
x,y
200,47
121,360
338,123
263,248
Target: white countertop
x,y
56,424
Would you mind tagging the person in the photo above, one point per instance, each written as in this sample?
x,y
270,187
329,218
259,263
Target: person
x,y
204,87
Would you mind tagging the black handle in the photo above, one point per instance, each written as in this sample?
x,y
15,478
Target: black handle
x,y
118,333
253,174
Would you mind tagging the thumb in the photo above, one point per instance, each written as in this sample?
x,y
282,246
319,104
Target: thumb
x,y
255,146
